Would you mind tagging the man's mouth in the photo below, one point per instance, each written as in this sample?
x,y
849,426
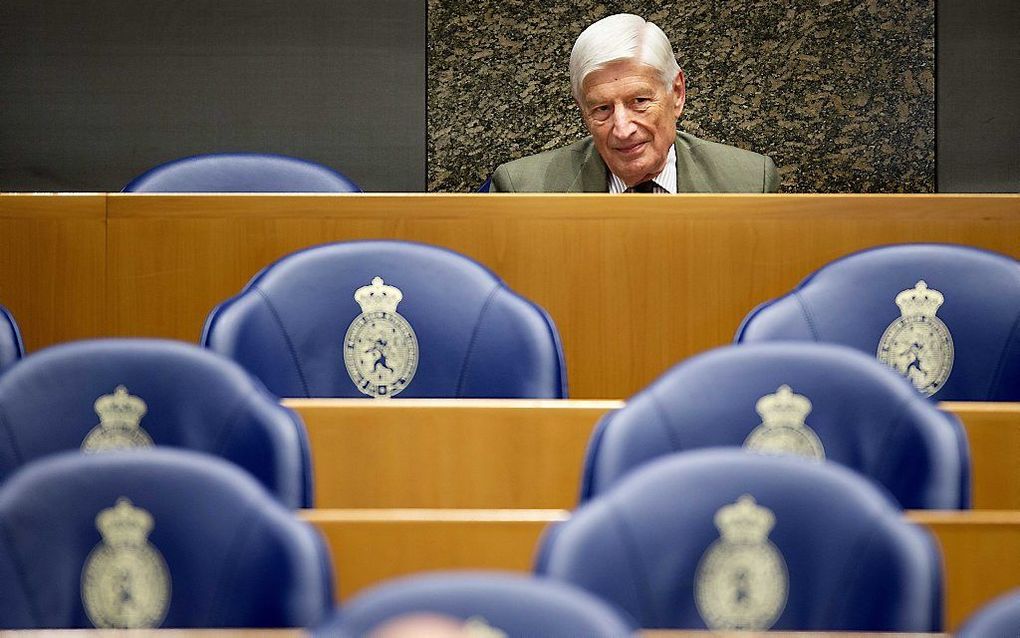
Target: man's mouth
x,y
633,149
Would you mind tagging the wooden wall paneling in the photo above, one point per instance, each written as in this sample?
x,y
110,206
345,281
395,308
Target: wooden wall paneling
x,y
53,265
420,453
633,285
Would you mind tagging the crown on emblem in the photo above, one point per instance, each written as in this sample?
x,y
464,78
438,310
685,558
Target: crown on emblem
x,y
378,297
124,524
919,301
783,407
120,406
745,521
477,627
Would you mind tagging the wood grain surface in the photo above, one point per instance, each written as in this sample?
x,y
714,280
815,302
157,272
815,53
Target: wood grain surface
x,y
53,265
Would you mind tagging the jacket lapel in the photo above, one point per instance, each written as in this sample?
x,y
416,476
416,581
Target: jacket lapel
x,y
689,176
593,176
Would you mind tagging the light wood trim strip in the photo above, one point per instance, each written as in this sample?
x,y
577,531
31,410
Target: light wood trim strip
x,y
59,206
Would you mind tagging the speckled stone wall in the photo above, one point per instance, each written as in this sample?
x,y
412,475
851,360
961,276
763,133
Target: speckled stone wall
x,y
839,92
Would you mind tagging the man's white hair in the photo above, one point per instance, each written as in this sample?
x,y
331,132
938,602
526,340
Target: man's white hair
x,y
619,37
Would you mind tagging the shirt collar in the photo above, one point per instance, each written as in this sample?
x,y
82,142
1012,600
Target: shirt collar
x,y
665,181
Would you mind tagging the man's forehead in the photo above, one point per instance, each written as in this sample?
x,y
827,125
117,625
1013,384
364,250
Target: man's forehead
x,y
619,75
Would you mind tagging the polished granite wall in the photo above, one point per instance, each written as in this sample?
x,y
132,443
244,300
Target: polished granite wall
x,y
839,92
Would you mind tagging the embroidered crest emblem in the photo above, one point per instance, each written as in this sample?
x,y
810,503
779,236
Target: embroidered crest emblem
x,y
918,345
120,415
380,347
741,582
125,583
783,430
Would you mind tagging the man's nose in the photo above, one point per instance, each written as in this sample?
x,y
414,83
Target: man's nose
x,y
623,123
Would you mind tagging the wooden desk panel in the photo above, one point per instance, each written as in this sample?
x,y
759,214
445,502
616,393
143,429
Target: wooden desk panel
x,y
53,265
528,454
993,430
633,285
981,554
981,550
455,453
371,546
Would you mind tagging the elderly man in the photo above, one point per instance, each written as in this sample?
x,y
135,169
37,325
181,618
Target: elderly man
x,y
630,90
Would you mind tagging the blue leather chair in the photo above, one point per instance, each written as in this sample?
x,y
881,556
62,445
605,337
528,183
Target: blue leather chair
x,y
727,539
115,393
513,604
998,619
325,322
155,538
241,173
11,346
946,316
821,401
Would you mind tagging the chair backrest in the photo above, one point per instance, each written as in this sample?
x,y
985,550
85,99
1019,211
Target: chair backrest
x,y
512,604
815,400
997,619
115,393
324,322
726,539
11,346
241,173
155,538
945,316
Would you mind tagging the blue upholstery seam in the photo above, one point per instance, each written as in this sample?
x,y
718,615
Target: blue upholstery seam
x,y
852,571
591,452
882,464
806,313
664,422
286,338
234,557
22,574
640,579
9,435
231,421
561,365
474,338
997,376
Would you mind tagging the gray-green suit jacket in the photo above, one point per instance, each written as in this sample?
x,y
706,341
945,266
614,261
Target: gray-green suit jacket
x,y
701,167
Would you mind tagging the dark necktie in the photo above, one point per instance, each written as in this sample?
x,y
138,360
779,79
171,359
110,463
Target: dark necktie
x,y
644,187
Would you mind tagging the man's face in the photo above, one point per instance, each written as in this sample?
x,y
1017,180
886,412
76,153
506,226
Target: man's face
x,y
632,118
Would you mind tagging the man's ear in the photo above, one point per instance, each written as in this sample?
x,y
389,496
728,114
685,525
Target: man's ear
x,y
679,93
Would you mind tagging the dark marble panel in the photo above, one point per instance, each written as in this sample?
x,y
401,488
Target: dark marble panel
x,y
839,92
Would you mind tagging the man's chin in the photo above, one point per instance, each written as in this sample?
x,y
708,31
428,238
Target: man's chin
x,y
632,172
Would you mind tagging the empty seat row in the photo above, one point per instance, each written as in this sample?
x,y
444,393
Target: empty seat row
x,y
814,400
382,318
717,539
